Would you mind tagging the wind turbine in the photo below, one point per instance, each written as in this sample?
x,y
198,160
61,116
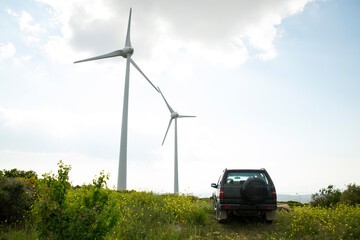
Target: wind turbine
x,y
174,115
126,52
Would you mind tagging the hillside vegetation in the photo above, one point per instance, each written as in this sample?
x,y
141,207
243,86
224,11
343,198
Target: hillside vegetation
x,y
61,211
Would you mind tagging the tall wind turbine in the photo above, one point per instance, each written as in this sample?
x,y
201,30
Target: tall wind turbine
x,y
174,115
126,52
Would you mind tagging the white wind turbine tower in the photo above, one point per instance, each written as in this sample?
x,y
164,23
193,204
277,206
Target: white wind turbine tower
x,y
126,52
174,115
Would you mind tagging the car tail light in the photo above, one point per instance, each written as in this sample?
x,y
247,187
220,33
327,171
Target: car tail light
x,y
221,193
274,194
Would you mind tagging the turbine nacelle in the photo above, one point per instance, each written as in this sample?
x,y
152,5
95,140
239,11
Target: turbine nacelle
x,y
174,115
126,51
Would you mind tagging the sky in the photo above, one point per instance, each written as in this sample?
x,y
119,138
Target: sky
x,y
274,84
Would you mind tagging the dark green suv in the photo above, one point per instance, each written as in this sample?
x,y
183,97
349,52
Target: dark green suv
x,y
245,192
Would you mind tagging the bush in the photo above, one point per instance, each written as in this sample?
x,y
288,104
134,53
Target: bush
x,y
14,173
62,212
90,211
50,205
351,195
326,197
15,200
338,222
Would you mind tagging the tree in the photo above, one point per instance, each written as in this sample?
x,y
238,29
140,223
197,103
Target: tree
x,y
326,197
14,173
351,195
15,199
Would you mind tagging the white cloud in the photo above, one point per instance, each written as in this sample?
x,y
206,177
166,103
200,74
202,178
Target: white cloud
x,y
296,6
19,61
97,27
26,23
58,50
32,40
11,12
6,51
262,39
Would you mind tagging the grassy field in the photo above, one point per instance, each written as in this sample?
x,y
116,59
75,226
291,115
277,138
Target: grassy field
x,y
50,208
141,215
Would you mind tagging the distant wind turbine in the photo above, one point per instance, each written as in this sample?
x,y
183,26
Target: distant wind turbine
x,y
174,115
126,52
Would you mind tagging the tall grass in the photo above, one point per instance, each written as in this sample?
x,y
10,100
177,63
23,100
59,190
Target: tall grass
x,y
61,211
145,215
151,216
337,222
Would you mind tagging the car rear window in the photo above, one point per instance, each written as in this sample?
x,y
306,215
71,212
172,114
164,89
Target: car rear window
x,y
239,177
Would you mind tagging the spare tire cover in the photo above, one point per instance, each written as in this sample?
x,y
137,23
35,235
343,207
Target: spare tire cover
x,y
255,190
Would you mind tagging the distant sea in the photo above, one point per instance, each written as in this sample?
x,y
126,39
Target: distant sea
x,y
303,198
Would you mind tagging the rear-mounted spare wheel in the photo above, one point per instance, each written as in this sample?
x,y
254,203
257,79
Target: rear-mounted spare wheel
x,y
255,190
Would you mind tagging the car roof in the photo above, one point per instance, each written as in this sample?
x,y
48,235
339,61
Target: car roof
x,y
246,170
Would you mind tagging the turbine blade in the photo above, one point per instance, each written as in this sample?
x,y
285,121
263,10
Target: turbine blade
x,y
167,131
109,55
171,110
183,116
136,66
127,41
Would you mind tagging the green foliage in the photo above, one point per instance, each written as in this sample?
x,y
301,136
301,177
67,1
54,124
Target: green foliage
x,y
326,197
90,211
14,173
63,212
352,230
351,195
142,215
15,200
341,221
95,212
153,216
50,205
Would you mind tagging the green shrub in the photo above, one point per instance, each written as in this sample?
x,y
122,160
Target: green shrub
x,y
14,173
15,200
49,207
351,195
62,212
326,197
90,211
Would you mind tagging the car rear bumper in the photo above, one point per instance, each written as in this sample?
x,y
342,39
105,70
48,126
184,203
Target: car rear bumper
x,y
249,207
248,210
